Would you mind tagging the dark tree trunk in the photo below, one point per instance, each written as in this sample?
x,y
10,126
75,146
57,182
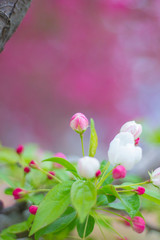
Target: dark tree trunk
x,y
11,15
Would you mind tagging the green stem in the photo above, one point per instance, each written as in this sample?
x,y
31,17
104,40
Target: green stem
x,y
48,174
38,190
85,228
81,136
101,230
135,184
104,177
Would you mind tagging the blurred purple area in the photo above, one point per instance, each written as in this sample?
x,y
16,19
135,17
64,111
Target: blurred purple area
x,y
98,57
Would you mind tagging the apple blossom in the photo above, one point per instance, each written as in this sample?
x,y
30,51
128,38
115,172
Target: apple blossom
x,y
155,177
33,209
119,172
123,151
79,123
138,224
88,166
134,128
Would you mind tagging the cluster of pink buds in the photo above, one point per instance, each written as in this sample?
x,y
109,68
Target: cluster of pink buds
x,y
79,123
18,193
119,172
33,209
138,224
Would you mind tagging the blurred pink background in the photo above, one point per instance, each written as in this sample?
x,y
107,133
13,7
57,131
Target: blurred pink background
x,y
98,57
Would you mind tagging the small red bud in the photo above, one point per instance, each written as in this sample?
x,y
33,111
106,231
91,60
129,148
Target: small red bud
x,y
51,173
126,222
19,149
98,173
27,169
18,193
33,209
33,164
119,172
139,190
137,141
138,224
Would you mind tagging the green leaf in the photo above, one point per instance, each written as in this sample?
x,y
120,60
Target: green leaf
x,y
87,226
69,166
8,191
131,203
93,140
83,197
59,224
18,228
102,200
53,206
152,196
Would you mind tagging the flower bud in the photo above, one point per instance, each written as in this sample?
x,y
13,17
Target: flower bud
x,y
119,172
136,141
126,222
98,173
138,224
27,169
139,190
79,123
155,177
33,209
19,149
60,155
18,193
123,151
51,173
33,164
134,128
88,166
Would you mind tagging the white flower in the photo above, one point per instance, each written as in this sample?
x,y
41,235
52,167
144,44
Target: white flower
x,y
134,128
155,177
88,166
123,151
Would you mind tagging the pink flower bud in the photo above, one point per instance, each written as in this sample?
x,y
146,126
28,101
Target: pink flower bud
x,y
27,169
126,222
98,173
33,209
79,123
155,177
119,172
33,164
138,224
134,128
51,173
139,190
88,166
60,155
18,193
19,149
136,142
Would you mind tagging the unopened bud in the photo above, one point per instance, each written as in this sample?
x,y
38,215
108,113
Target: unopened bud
x,y
18,193
60,155
136,142
33,164
155,177
98,173
19,149
51,173
119,172
134,128
139,190
33,209
88,166
79,123
138,224
127,223
27,169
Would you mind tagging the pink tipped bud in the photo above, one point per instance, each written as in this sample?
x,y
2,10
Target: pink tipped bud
x,y
18,193
33,164
136,141
138,224
33,209
27,169
134,128
139,190
155,177
60,155
19,149
126,222
51,173
79,122
98,173
119,172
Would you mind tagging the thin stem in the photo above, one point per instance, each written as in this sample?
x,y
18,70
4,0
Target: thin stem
x,y
101,230
85,228
48,174
135,184
81,136
104,178
104,172
38,190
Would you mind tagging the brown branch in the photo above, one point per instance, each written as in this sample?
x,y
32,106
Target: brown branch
x,y
11,14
